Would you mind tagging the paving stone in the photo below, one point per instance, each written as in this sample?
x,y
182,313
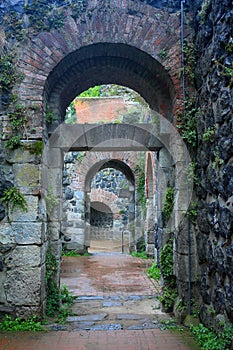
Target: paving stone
x,y
94,317
111,303
143,326
91,297
129,317
107,327
57,327
82,326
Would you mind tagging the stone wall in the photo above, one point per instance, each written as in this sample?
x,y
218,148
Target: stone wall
x,y
23,238
214,48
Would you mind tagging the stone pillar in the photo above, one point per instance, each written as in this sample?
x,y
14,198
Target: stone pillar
x,y
23,240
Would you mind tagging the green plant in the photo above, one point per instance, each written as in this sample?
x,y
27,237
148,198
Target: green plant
x,y
50,116
168,204
218,161
18,118
14,199
31,324
73,253
142,255
163,53
190,172
36,148
51,200
203,11
66,297
209,134
192,212
186,122
190,60
14,142
166,259
9,75
53,294
168,298
154,272
92,92
169,290
227,72
208,340
81,156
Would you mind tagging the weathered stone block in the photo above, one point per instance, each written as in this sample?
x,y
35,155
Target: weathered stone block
x,y
23,286
22,233
30,215
24,256
20,156
2,291
26,175
7,235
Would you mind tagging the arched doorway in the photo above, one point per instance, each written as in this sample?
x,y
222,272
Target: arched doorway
x,y
112,182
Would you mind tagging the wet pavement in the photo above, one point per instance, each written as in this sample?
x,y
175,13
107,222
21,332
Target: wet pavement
x,y
117,307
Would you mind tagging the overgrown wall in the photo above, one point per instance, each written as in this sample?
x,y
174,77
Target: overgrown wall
x,y
214,82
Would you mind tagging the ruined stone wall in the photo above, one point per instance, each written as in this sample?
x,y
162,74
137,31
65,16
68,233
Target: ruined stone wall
x,y
214,72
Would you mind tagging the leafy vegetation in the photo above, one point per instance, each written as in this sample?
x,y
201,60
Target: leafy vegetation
x,y
187,121
190,61
208,340
227,72
31,324
9,75
154,272
14,199
190,172
203,11
92,92
169,290
168,204
192,212
14,142
209,134
36,148
53,293
58,301
218,161
142,255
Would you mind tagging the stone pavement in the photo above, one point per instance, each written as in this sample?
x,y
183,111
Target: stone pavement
x,y
117,309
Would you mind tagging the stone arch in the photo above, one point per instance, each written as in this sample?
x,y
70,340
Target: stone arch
x,y
101,214
105,197
124,168
106,63
121,45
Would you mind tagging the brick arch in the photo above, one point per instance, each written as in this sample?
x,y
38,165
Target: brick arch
x,y
105,197
96,161
106,63
138,33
